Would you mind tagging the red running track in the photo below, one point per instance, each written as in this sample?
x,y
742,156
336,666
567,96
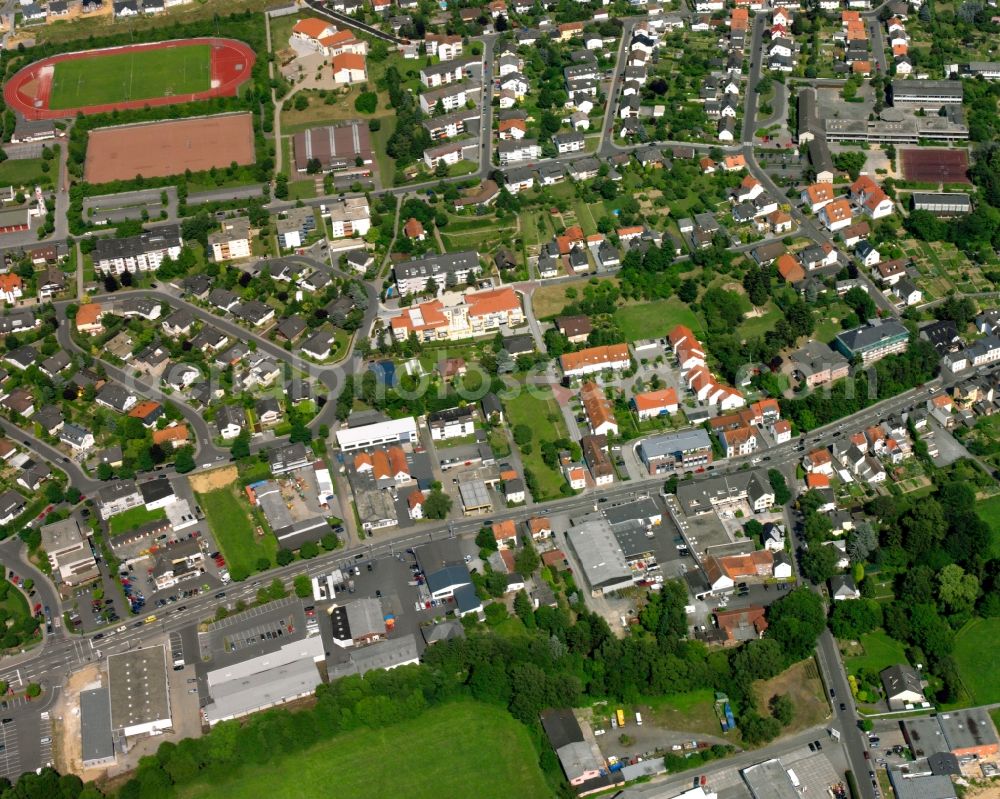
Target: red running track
x,y
28,91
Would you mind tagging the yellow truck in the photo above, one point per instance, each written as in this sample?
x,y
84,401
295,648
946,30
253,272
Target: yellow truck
x,y
621,717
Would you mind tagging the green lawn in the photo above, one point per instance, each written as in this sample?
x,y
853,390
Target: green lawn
x,y
489,756
537,411
976,658
23,172
234,530
655,319
757,326
880,652
139,75
133,518
989,511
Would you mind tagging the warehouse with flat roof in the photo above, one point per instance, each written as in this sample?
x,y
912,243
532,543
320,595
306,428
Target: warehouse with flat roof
x,y
265,681
140,696
600,555
97,744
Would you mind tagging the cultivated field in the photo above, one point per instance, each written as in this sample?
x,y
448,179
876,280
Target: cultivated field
x,y
131,75
158,149
491,757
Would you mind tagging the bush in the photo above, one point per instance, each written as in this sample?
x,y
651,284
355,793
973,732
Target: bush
x,y
366,103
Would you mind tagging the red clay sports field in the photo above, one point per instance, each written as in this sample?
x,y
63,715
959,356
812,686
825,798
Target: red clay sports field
x,y
28,91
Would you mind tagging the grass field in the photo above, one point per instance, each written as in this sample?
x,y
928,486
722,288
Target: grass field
x,y
133,518
139,75
655,319
989,511
234,532
548,301
538,412
880,652
491,758
23,172
691,712
803,686
977,663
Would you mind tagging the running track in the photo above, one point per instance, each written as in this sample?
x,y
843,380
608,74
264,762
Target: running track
x,y
28,91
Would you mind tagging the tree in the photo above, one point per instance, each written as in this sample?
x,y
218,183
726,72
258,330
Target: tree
x,y
241,446
850,162
757,729
957,590
852,618
486,540
819,563
308,550
523,610
795,622
366,103
781,708
184,460
861,542
527,560
284,556
303,586
277,590
33,690
523,435
782,496
688,291
862,304
437,505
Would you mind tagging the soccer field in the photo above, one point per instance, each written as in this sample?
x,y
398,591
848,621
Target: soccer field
x,y
136,75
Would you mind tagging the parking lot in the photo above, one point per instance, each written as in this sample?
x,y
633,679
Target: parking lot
x,y
25,736
270,630
10,761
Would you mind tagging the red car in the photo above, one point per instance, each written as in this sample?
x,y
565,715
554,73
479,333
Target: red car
x,y
38,609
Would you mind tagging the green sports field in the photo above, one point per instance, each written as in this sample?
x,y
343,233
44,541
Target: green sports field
x,y
136,75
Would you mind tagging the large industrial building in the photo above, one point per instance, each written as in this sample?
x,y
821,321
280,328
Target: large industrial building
x,y
265,681
600,555
140,695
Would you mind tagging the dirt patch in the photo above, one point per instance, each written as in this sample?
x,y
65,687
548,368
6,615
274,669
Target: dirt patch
x,y
803,686
66,725
213,479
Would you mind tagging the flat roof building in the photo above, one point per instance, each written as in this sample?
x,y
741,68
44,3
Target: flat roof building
x,y
265,681
681,450
140,698
97,744
359,622
873,341
926,93
447,271
475,497
391,431
600,555
770,780
66,545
